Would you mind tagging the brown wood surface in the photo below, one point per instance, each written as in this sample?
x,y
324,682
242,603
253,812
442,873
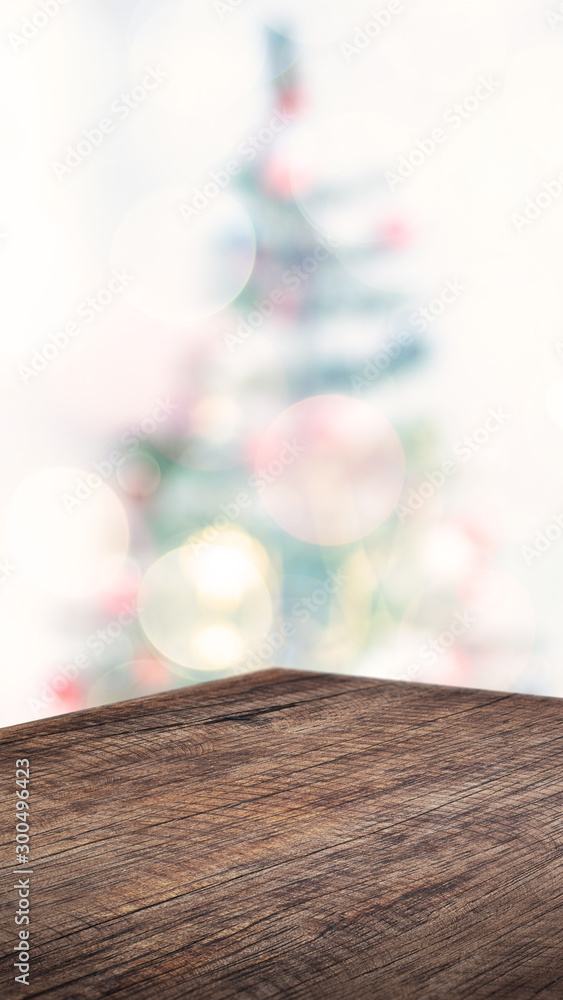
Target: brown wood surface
x,y
292,834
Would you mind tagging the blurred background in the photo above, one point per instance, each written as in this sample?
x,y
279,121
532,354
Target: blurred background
x,y
281,351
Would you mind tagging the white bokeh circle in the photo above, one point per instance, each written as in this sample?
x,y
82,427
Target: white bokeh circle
x,y
184,270
341,169
67,533
330,469
209,62
204,605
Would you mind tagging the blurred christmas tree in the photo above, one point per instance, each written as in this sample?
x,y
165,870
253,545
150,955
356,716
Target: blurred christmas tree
x,y
303,326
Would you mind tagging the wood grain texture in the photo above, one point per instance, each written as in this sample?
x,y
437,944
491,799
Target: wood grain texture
x,y
292,834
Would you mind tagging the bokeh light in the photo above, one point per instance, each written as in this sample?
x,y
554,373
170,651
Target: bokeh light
x,y
222,399
330,469
242,454
209,62
338,172
139,475
205,604
67,530
184,270
219,646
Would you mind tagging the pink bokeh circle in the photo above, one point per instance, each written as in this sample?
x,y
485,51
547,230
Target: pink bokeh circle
x,y
330,469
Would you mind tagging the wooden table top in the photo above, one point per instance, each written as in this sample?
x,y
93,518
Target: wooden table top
x,y
290,834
